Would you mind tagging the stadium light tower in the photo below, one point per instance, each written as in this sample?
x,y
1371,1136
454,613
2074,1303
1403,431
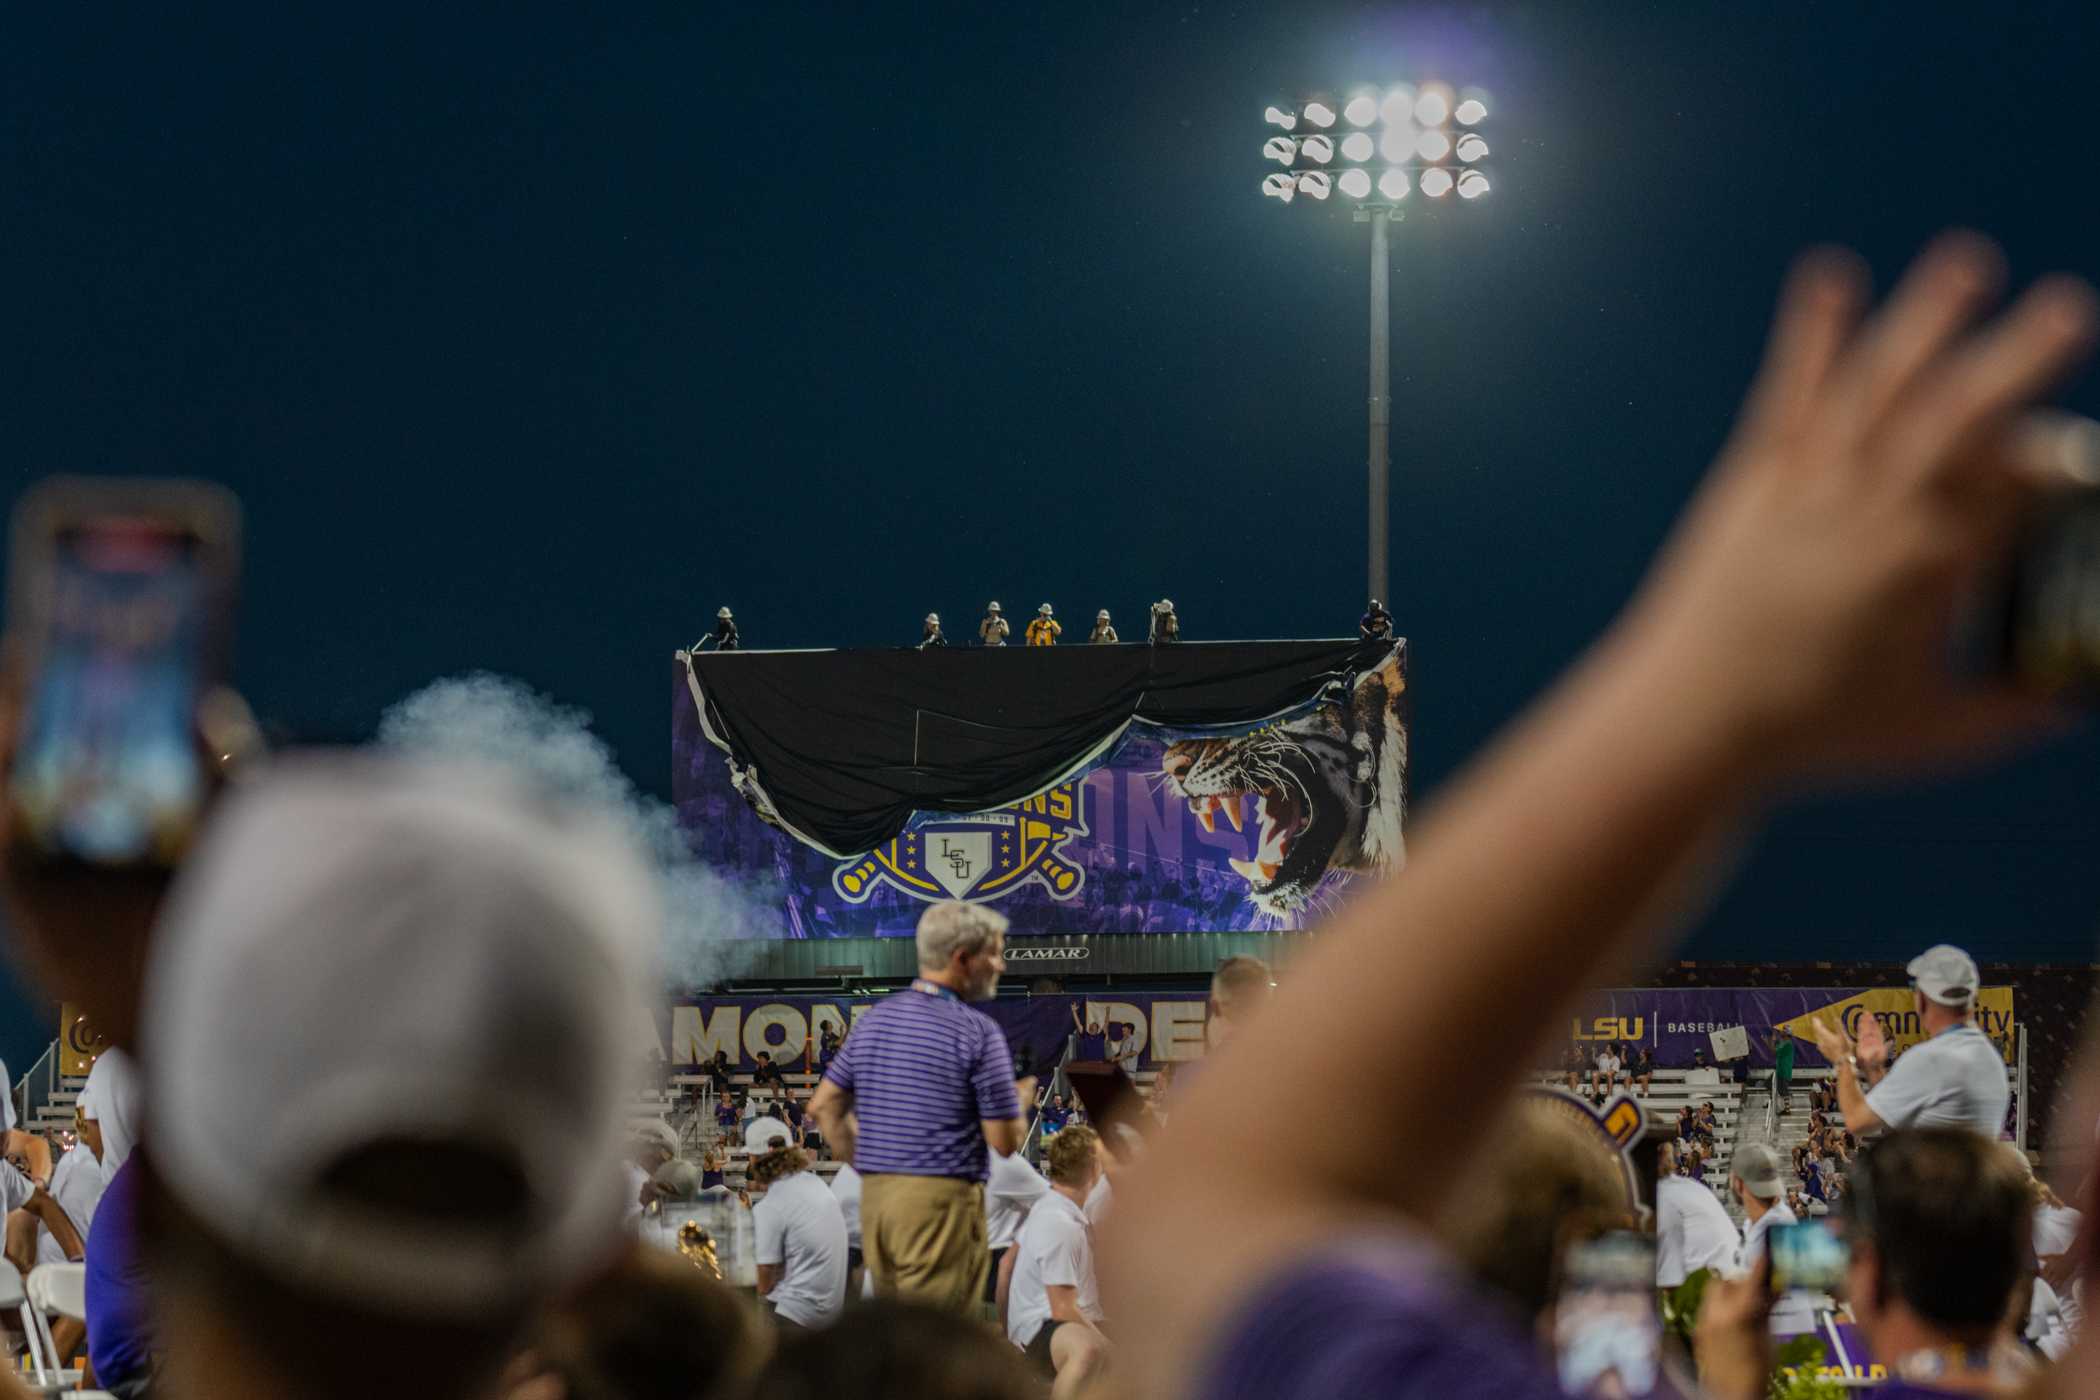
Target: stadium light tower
x,y
1373,148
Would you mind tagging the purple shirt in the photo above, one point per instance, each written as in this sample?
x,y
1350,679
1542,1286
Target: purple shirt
x,y
924,1070
1376,1321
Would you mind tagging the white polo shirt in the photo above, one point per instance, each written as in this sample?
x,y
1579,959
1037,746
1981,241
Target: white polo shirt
x,y
798,1227
1608,1063
76,1184
1692,1231
1011,1192
845,1186
1054,1250
1954,1080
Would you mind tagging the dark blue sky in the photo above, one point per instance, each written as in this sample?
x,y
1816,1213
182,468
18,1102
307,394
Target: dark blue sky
x,y
529,336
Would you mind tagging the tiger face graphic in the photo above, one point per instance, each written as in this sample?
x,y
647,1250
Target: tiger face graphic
x,y
1329,789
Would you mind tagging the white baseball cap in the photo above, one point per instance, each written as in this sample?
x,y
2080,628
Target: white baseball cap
x,y
369,951
1945,974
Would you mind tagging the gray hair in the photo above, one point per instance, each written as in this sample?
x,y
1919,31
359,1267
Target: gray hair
x,y
952,927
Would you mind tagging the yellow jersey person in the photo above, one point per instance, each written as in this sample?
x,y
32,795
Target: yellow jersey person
x,y
1044,631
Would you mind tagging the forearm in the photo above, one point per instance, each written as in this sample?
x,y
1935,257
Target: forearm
x,y
1852,1101
1610,794
45,1207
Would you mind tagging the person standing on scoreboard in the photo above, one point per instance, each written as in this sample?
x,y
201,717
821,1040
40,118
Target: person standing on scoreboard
x,y
1044,631
993,631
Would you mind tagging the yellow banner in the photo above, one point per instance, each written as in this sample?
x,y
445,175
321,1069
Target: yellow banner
x,y
78,1042
1897,1011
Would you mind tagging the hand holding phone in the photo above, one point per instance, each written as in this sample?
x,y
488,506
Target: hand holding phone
x,y
121,598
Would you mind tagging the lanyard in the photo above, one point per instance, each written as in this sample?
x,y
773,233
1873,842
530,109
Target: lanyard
x,y
933,989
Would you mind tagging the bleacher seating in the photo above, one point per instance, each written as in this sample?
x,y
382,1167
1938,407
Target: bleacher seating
x,y
1672,1089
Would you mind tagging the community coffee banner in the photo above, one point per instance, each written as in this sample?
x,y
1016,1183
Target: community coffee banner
x,y
1145,826
1166,1029
1673,1022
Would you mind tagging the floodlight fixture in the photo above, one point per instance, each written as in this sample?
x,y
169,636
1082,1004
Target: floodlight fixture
x,y
1396,141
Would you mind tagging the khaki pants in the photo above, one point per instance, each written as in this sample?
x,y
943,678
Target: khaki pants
x,y
924,1237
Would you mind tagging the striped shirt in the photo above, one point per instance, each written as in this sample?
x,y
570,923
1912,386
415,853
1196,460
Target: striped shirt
x,y
924,1070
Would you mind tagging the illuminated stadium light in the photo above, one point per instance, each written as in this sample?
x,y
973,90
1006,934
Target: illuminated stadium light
x,y
1396,141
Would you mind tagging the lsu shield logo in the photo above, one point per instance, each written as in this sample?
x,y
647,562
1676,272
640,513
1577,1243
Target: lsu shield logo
x,y
980,857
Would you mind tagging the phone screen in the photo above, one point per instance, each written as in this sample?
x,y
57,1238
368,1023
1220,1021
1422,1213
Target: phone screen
x,y
1807,1257
106,769
1605,1325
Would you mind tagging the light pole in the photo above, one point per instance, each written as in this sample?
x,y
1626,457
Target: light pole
x,y
1394,141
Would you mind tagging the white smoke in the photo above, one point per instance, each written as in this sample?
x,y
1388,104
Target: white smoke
x,y
499,720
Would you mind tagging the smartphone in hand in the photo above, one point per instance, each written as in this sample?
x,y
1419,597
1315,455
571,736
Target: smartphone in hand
x,y
120,612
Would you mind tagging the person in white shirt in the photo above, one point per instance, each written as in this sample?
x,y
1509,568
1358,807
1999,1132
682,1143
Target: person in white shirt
x,y
1054,1308
1755,1181
1954,1078
799,1239
1692,1228
1010,1193
845,1186
1605,1077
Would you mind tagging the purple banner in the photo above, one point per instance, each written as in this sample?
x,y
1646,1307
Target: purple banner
x,y
1675,1022
1165,1028
1167,832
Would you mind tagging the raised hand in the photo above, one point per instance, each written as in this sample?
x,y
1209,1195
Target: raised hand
x,y
1870,481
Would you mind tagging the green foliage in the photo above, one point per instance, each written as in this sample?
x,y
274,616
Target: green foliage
x,y
1794,1372
1680,1305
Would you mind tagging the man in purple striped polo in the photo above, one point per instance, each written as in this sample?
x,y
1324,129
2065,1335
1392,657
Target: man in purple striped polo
x,y
921,1088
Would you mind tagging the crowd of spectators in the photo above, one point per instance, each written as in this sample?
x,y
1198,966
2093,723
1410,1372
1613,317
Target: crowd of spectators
x,y
380,1025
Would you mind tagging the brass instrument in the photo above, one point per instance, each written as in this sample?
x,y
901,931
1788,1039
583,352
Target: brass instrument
x,y
699,1246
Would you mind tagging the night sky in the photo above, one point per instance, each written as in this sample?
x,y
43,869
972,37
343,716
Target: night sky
x,y
530,336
